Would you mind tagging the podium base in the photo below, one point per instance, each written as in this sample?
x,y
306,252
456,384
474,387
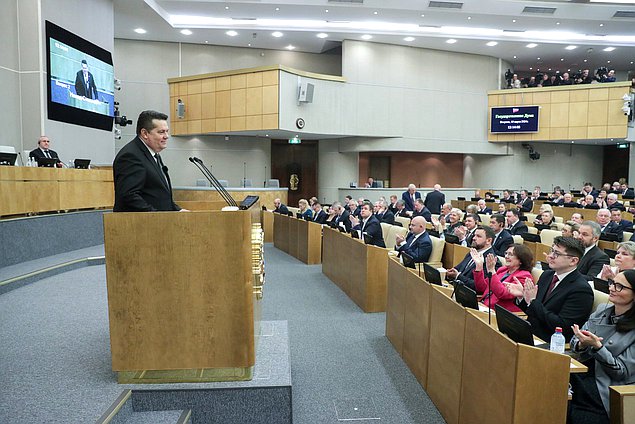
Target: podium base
x,y
201,375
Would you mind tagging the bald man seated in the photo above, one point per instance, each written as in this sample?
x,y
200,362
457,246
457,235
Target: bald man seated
x,y
417,243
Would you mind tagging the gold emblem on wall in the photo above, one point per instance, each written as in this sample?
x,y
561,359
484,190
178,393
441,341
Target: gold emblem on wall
x,y
293,182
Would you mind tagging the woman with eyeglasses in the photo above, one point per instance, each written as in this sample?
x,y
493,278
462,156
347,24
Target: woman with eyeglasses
x,y
518,264
624,259
606,344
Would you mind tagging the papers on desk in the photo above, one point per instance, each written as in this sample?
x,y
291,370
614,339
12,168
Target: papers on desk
x,y
482,307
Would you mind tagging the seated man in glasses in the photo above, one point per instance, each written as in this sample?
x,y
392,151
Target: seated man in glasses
x,y
562,297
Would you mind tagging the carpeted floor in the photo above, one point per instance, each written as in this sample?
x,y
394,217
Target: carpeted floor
x,y
55,356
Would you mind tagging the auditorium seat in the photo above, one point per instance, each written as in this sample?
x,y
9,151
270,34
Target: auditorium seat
x,y
559,219
273,183
532,230
547,236
518,239
437,252
627,235
404,221
395,230
599,298
385,231
536,273
246,182
223,183
201,182
294,210
531,217
484,219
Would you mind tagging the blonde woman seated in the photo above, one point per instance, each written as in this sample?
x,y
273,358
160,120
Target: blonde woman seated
x,y
490,281
305,211
545,221
624,259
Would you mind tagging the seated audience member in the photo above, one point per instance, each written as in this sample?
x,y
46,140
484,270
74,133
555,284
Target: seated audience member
x,y
401,209
507,197
477,194
612,203
43,151
546,80
624,259
623,224
305,211
489,196
556,196
588,202
593,259
532,82
370,183
417,243
410,196
383,214
607,225
445,210
434,200
421,210
524,202
588,188
566,80
450,223
577,217
514,225
347,199
280,207
471,209
570,229
626,191
502,238
536,193
312,201
483,208
567,201
606,344
339,217
466,232
393,204
614,188
482,242
545,221
319,216
562,296
585,78
519,262
352,207
368,224
360,202
502,208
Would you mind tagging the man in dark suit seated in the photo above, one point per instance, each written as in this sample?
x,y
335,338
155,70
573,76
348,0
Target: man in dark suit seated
x,y
401,209
466,233
421,210
623,224
514,225
417,243
594,259
142,183
367,223
626,190
319,216
612,203
524,203
382,212
410,196
607,226
434,200
370,183
562,296
392,207
281,208
483,208
482,242
567,201
43,150
339,217
502,238
588,202
507,197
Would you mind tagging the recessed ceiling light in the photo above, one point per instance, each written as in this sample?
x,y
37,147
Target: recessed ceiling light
x,y
226,7
601,25
631,62
469,17
248,44
609,49
557,23
562,59
569,70
326,11
585,60
571,47
140,31
290,47
277,9
538,69
514,57
530,68
375,12
322,35
531,45
186,32
514,20
277,34
450,41
549,69
491,43
409,39
423,16
231,33
608,61
537,58
366,37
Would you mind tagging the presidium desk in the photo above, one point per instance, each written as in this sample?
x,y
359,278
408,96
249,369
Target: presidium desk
x,y
183,294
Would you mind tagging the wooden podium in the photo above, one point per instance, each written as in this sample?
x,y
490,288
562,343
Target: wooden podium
x,y
183,292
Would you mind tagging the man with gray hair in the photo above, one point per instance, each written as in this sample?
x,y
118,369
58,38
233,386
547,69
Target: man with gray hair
x,y
410,196
435,199
612,203
339,216
384,214
593,259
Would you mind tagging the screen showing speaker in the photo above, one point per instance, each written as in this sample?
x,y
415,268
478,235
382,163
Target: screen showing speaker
x,y
514,119
80,80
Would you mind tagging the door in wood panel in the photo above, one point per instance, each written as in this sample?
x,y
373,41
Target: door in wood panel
x,y
295,165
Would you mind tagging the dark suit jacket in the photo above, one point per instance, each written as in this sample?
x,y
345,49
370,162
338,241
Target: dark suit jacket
x,y
466,268
626,225
569,303
410,206
615,228
486,211
90,91
38,153
434,201
344,218
320,217
420,250
139,185
282,209
388,217
629,192
525,206
518,229
402,213
393,208
373,229
503,241
616,205
591,264
425,212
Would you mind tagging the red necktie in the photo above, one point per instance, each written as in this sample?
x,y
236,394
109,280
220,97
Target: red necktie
x,y
552,285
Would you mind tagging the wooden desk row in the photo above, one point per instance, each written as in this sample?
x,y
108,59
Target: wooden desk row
x,y
297,237
26,190
472,373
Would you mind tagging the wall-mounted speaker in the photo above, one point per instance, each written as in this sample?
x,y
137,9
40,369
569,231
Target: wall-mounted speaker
x,y
305,95
180,109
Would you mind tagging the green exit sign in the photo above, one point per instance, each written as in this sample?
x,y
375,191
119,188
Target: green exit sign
x,y
295,140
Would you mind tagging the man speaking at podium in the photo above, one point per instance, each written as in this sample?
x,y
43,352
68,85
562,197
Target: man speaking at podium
x,y
142,183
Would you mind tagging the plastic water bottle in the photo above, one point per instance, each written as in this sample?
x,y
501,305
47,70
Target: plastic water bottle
x,y
29,163
557,341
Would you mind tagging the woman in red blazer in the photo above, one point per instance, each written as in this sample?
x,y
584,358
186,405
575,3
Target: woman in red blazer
x,y
519,261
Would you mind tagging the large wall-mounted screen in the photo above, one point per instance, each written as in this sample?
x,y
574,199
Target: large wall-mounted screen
x,y
514,119
80,80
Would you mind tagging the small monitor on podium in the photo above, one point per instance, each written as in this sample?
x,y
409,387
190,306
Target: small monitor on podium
x,y
466,296
8,159
433,276
514,326
82,163
408,261
248,202
46,162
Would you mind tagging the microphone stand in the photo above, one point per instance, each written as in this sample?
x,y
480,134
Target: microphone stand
x,y
213,181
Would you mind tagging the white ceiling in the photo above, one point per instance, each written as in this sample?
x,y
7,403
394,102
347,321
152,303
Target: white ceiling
x,y
591,27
